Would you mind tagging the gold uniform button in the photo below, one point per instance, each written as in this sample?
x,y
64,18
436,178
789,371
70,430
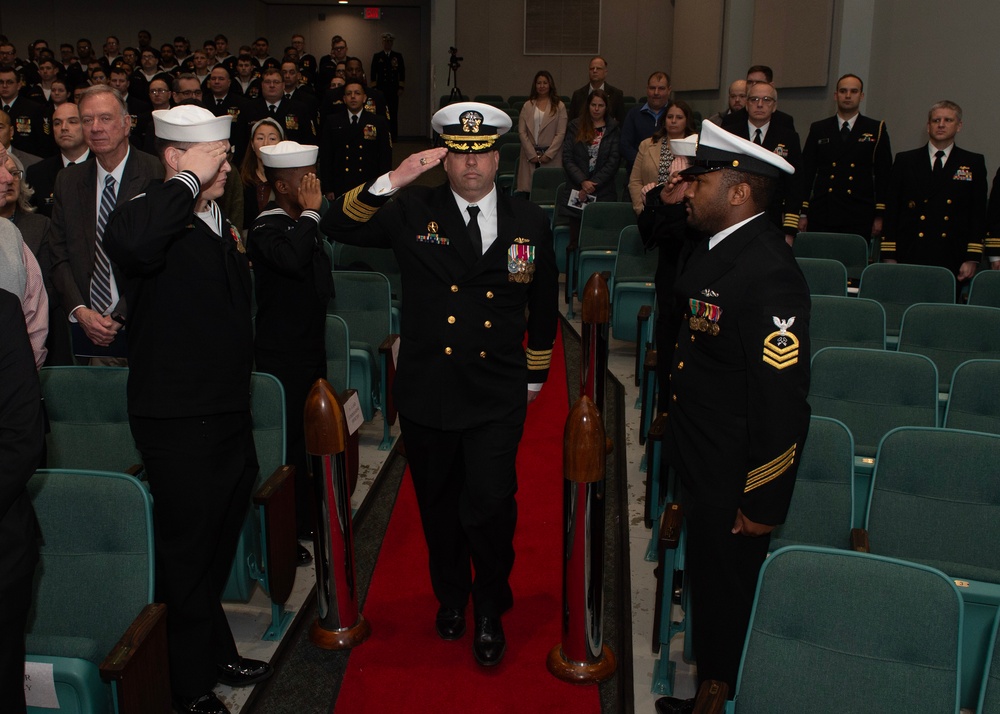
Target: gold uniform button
x,y
834,164
829,190
850,178
944,235
852,165
948,201
487,324
673,397
832,177
489,294
947,218
692,338
451,319
454,288
447,350
923,218
483,355
676,345
920,235
680,365
848,192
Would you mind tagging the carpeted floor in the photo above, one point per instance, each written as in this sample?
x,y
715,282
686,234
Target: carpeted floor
x,y
308,679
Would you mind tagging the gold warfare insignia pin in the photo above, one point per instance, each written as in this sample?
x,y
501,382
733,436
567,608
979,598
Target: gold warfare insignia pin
x,y
522,240
432,227
471,122
781,347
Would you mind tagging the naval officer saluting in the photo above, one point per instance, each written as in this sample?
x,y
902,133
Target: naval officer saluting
x,y
473,262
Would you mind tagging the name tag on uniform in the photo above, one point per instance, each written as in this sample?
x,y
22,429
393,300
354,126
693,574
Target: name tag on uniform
x,y
823,141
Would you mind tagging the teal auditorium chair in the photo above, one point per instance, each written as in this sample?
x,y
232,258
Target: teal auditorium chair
x,y
545,180
495,100
824,276
507,168
363,301
849,249
600,226
93,615
950,335
87,409
338,353
974,397
376,260
935,500
631,283
872,392
897,286
846,322
265,552
560,227
985,289
834,631
989,696
822,508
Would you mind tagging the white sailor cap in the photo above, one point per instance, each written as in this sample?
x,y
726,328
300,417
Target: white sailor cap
x,y
470,127
192,123
288,155
388,36
684,147
718,149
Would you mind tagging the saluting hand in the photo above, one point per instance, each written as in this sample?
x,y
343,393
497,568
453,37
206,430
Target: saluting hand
x,y
416,164
310,195
204,160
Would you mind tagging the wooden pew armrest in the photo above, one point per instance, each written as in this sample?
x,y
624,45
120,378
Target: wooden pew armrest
x,y
137,664
859,540
712,696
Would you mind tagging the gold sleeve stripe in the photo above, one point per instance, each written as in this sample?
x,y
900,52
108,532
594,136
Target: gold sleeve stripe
x,y
792,220
975,247
539,359
355,209
805,205
770,471
879,206
888,245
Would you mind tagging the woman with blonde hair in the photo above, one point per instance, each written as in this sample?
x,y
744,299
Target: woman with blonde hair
x,y
542,127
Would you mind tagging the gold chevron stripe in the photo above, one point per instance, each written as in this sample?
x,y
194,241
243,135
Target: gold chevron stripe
x,y
770,471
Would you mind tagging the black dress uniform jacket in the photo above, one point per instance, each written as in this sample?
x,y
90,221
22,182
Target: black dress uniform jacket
x,y
936,219
352,154
738,415
462,363
294,117
844,183
993,220
782,139
32,128
171,258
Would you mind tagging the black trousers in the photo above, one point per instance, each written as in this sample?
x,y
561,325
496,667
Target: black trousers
x,y
201,472
723,571
15,597
392,104
465,483
296,376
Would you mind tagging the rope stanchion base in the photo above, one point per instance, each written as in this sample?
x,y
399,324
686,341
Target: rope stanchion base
x,y
343,639
581,672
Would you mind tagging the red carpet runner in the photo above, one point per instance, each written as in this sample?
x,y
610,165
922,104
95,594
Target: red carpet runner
x,y
405,667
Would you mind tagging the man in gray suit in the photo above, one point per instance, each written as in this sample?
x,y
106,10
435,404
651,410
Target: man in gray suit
x,y
85,194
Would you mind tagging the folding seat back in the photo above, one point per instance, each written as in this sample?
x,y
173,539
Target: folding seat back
x,y
897,286
632,283
839,631
846,322
950,335
825,276
985,289
974,397
338,353
848,248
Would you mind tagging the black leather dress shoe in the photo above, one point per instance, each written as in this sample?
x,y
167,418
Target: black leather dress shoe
x,y
244,672
672,705
304,556
450,622
205,704
489,643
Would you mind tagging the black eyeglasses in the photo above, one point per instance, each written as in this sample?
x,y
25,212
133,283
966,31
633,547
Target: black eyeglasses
x,y
761,100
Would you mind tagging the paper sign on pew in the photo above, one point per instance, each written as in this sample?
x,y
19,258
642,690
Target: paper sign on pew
x,y
353,414
40,685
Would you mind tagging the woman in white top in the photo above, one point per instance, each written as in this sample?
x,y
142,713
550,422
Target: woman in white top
x,y
542,127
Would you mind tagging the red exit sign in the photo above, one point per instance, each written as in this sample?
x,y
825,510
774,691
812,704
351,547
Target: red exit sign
x,y
373,13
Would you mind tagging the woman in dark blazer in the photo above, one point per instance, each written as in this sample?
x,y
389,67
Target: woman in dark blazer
x,y
591,156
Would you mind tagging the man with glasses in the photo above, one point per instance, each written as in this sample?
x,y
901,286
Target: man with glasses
x,y
761,129
756,74
186,86
88,284
845,168
597,73
328,63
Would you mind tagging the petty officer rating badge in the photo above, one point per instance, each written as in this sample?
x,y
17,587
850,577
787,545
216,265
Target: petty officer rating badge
x,y
781,347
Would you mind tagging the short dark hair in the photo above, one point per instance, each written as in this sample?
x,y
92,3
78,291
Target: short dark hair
x,y
222,37
358,82
761,187
843,77
118,69
764,69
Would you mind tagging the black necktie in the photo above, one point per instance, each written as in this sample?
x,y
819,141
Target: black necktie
x,y
354,120
845,132
756,138
938,160
6,109
271,109
474,232
288,96
218,102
